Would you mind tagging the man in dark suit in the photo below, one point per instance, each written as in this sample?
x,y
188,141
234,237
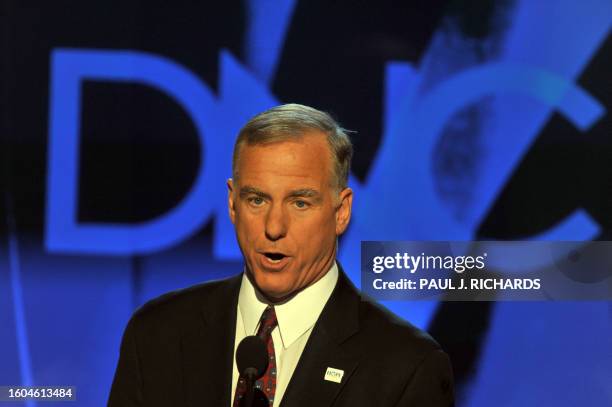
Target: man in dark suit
x,y
289,201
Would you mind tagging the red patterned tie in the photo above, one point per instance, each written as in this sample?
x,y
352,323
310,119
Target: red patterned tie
x,y
266,383
267,323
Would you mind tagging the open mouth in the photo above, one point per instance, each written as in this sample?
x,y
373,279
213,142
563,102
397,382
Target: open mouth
x,y
274,257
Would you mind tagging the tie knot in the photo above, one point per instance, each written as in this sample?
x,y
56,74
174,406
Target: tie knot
x,y
267,322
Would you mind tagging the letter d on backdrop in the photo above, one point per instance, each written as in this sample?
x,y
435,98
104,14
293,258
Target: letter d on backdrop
x,y
69,67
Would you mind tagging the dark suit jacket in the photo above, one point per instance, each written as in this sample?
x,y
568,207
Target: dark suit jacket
x,y
177,350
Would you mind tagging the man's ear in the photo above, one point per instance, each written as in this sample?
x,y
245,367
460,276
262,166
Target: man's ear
x,y
230,200
343,211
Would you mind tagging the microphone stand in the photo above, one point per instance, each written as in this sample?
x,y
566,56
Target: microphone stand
x,y
250,375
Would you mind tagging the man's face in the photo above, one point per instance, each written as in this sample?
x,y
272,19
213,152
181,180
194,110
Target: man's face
x,y
287,214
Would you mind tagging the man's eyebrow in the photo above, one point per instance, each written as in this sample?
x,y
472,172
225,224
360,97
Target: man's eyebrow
x,y
249,190
298,193
305,193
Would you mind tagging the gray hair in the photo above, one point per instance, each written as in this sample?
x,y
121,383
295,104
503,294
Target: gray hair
x,y
290,122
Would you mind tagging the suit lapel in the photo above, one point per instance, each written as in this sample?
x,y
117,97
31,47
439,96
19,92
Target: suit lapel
x,y
208,348
325,349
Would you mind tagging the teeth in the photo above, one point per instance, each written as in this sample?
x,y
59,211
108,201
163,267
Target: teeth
x,y
272,260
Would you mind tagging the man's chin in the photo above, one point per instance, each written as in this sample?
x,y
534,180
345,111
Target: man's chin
x,y
273,291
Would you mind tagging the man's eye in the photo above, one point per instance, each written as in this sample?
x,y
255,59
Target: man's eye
x,y
301,204
256,201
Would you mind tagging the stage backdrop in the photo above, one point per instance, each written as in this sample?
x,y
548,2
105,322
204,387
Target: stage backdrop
x,y
472,119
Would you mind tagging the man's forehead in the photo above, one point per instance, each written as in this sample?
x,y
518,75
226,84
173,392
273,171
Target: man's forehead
x,y
277,183
307,140
300,157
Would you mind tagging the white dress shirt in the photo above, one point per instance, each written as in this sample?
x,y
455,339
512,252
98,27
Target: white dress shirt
x,y
296,318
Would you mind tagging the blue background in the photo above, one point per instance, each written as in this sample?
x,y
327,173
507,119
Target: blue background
x,y
474,120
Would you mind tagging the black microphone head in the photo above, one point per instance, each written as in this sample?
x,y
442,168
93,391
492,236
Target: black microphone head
x,y
252,353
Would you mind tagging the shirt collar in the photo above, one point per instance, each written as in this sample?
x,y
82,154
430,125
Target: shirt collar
x,y
296,316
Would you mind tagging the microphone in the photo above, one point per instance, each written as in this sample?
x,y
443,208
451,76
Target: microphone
x,y
252,362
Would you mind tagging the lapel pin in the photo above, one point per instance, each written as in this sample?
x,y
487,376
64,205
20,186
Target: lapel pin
x,y
333,375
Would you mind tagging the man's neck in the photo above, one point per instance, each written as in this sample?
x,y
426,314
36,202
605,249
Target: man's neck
x,y
270,300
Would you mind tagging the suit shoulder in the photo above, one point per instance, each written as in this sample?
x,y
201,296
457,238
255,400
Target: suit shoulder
x,y
397,334
185,302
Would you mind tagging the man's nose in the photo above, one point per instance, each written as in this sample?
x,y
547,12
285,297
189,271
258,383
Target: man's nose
x,y
276,222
